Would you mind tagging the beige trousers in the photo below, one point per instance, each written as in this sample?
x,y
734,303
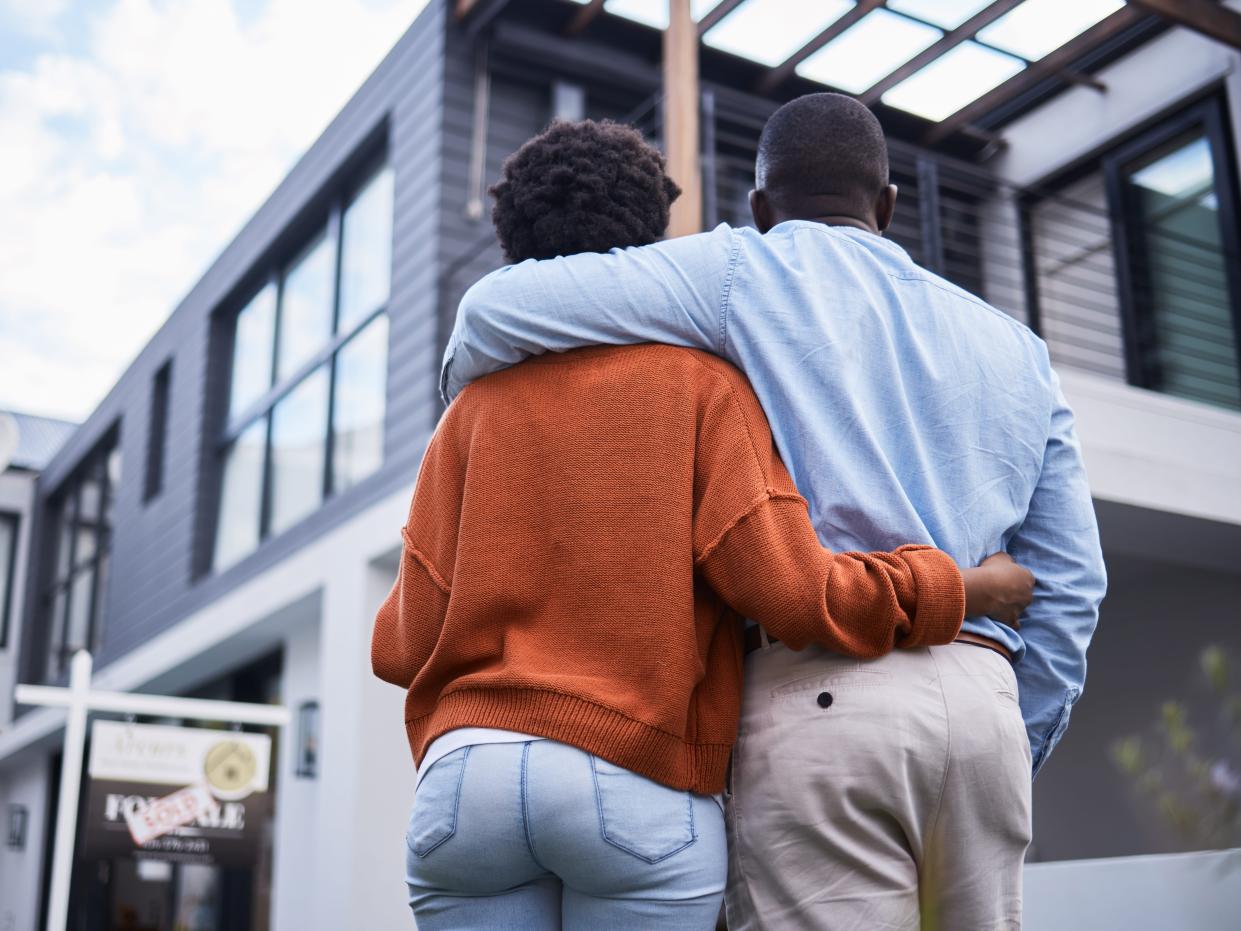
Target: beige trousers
x,y
888,794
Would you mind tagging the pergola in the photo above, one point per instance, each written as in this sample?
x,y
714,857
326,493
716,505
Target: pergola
x,y
949,63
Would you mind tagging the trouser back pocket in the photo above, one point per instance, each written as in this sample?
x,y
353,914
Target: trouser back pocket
x,y
434,818
639,816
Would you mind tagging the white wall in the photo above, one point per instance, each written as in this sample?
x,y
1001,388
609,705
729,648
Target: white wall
x,y
352,875
1140,86
21,871
296,834
1156,451
1182,892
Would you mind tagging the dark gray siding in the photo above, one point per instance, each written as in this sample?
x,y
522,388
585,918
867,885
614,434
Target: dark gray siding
x,y
524,62
157,547
517,110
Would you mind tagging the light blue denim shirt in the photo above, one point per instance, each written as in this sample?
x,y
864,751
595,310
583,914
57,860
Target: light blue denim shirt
x,y
907,410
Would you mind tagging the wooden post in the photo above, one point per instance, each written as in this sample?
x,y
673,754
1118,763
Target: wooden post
x,y
681,115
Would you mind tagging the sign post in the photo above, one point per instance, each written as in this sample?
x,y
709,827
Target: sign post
x,y
79,700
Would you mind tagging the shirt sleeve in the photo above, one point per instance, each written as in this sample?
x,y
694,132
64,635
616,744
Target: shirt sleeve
x,y
755,545
408,623
671,292
1059,543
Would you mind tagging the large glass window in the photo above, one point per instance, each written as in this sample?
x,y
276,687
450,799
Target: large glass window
x,y
358,408
305,308
298,451
1179,258
309,376
241,495
366,251
75,597
252,351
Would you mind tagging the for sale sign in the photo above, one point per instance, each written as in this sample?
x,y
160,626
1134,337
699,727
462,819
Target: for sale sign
x,y
177,793
161,815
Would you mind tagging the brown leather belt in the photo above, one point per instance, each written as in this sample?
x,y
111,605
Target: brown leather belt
x,y
754,641
977,640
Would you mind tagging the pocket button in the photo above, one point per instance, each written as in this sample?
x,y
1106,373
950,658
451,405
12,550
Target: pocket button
x,y
825,700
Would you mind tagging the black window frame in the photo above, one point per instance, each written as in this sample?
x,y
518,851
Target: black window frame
x,y
13,520
64,504
1137,319
157,432
330,224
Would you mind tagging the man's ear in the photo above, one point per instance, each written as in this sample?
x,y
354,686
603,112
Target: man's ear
x,y
760,210
885,207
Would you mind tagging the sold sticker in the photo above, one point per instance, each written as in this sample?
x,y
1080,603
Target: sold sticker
x,y
169,813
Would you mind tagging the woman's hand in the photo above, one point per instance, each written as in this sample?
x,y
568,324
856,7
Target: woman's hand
x,y
999,589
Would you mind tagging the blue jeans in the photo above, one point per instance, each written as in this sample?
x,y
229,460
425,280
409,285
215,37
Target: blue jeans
x,y
541,835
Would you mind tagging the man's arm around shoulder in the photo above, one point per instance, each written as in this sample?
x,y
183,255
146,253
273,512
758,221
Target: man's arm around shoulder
x,y
670,292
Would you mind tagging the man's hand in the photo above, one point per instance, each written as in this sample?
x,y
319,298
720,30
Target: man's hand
x,y
999,589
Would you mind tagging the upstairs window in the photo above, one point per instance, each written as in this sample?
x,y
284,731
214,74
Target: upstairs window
x,y
75,597
1178,257
307,391
157,436
8,562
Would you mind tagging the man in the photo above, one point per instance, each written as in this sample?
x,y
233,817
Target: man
x,y
865,795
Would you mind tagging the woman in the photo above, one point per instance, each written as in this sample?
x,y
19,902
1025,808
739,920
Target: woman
x,y
586,530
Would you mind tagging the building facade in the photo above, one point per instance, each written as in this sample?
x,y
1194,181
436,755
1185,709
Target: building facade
x,y
227,520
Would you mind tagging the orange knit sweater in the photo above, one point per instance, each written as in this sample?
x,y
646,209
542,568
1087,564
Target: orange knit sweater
x,y
581,527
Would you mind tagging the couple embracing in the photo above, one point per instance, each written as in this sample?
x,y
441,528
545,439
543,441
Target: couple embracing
x,y
708,587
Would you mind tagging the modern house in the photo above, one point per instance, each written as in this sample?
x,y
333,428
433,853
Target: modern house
x,y
227,520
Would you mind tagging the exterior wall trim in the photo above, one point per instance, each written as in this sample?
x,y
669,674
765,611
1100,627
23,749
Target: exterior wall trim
x,y
1157,451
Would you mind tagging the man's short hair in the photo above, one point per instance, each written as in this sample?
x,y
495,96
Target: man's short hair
x,y
822,144
582,186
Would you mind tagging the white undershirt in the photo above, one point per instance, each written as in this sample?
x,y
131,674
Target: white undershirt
x,y
453,740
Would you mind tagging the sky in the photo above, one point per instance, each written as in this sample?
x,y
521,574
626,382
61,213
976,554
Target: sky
x,y
136,138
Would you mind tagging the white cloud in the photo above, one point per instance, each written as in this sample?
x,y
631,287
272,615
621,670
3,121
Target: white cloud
x,y
126,168
34,17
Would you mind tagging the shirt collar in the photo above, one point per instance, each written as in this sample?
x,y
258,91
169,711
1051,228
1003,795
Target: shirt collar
x,y
865,237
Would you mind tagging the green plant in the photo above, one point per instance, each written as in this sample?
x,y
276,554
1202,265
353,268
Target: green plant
x,y
1191,775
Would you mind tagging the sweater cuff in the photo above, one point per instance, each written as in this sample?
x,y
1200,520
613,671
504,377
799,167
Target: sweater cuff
x,y
940,593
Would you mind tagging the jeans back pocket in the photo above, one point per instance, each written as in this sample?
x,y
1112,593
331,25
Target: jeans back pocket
x,y
436,801
640,816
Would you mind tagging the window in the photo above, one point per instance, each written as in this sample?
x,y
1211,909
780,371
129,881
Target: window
x,y
158,428
306,399
82,518
8,562
1177,256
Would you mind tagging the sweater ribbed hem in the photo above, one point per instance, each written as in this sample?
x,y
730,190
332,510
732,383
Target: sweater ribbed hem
x,y
941,596
608,734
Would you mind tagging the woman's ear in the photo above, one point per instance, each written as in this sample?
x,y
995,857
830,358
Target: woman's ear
x,y
760,210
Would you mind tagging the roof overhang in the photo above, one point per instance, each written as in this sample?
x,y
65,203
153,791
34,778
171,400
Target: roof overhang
x,y
953,68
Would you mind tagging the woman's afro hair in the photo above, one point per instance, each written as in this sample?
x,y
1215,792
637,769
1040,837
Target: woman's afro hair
x,y
582,186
